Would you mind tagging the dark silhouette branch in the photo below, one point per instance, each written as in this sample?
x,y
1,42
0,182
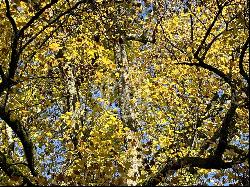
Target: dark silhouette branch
x,y
242,54
2,73
37,15
224,131
196,54
212,41
8,15
213,162
210,68
12,171
14,43
24,137
206,163
237,150
54,20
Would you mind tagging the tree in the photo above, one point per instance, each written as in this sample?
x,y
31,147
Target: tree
x,y
96,92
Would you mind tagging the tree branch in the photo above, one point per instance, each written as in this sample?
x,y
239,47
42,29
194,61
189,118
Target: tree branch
x,y
210,68
242,54
2,73
213,162
237,150
14,53
53,21
196,54
212,41
23,135
37,15
224,131
8,15
206,163
12,171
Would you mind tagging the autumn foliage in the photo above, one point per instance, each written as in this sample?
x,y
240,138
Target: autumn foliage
x,y
119,92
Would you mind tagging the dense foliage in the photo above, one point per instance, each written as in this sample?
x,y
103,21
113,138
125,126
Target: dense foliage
x,y
119,92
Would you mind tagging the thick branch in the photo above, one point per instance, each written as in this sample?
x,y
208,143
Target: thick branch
x,y
6,83
242,54
8,15
53,21
210,68
196,54
37,15
23,135
224,131
12,171
206,163
14,53
2,73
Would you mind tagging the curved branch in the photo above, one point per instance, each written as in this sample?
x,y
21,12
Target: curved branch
x,y
8,15
37,15
224,131
24,137
196,54
206,163
210,68
242,54
213,162
53,21
12,171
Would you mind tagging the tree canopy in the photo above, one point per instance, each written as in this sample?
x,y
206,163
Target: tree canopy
x,y
119,92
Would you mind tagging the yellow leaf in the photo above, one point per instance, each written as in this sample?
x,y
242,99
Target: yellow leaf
x,y
54,47
99,74
49,134
117,74
112,66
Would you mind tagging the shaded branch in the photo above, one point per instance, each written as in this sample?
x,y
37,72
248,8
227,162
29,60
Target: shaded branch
x,y
206,163
2,73
14,52
207,143
53,21
213,162
210,68
12,171
192,29
196,54
224,131
23,136
237,150
37,15
227,123
8,15
242,54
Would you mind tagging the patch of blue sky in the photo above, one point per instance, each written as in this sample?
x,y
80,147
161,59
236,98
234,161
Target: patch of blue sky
x,y
54,110
220,92
211,179
146,10
57,159
145,138
241,142
96,93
